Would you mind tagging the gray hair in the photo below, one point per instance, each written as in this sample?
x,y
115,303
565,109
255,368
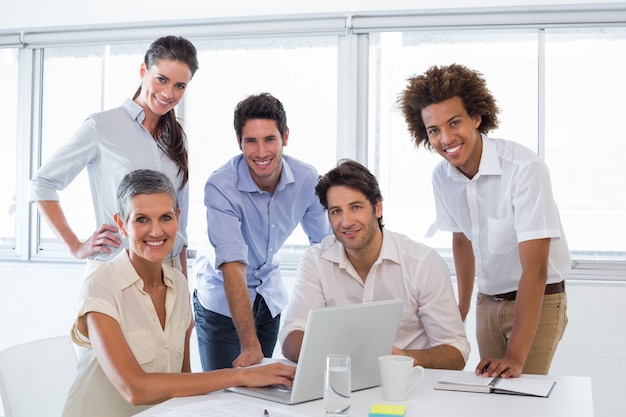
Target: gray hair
x,y
143,181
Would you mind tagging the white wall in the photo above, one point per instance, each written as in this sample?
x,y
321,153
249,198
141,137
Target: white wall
x,y
29,14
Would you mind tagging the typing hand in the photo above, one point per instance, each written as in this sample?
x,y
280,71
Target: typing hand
x,y
273,374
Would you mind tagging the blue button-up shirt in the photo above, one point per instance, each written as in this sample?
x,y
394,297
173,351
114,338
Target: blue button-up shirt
x,y
249,225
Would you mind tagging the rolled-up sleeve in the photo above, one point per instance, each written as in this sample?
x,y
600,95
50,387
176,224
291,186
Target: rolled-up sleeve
x,y
65,164
437,309
307,294
183,204
224,228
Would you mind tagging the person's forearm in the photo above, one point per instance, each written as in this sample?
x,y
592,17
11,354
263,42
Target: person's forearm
x,y
464,264
528,304
292,345
529,299
236,288
438,357
54,216
154,388
183,261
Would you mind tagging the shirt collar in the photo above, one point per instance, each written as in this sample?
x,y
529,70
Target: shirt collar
x,y
489,162
127,275
336,253
245,182
134,110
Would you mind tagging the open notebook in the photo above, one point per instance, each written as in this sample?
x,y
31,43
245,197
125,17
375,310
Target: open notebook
x,y
363,331
531,385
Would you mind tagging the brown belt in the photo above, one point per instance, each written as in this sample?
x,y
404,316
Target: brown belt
x,y
556,288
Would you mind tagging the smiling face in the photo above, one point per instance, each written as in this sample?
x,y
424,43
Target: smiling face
x,y
162,86
454,134
151,228
354,220
262,147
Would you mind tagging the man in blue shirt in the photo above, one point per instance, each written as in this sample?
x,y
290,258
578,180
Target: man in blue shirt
x,y
253,204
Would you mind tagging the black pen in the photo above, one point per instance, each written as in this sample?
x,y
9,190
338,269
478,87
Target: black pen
x,y
266,413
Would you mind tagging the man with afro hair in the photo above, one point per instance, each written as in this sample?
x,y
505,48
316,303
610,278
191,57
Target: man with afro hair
x,y
495,196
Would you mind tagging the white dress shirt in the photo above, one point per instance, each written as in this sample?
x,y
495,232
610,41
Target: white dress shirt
x,y
507,202
405,269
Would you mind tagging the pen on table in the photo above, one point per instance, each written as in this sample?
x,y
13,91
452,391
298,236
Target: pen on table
x,y
266,413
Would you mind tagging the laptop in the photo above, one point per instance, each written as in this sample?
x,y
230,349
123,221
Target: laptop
x,y
364,331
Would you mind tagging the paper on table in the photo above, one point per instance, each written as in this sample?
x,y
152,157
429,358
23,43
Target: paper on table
x,y
223,408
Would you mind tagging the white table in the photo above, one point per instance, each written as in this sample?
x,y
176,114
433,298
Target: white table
x,y
570,397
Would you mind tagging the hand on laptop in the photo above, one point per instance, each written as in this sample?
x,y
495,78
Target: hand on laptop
x,y
275,373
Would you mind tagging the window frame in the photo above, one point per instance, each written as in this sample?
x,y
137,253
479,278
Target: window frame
x,y
352,94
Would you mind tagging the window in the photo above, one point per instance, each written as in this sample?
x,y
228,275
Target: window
x,y
508,60
584,142
300,72
8,145
79,81
582,146
558,87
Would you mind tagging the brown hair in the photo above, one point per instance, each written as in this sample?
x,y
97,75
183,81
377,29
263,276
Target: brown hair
x,y
260,106
354,175
168,132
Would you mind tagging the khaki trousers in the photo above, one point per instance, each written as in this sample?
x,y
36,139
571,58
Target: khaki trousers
x,y
494,323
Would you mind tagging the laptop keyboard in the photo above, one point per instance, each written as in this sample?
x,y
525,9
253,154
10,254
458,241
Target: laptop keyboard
x,y
279,388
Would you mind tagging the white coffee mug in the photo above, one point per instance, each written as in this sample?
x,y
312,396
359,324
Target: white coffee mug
x,y
396,372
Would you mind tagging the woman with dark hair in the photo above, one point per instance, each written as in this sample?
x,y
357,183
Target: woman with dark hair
x,y
143,133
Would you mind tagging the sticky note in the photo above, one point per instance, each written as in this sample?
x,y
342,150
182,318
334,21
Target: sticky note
x,y
387,410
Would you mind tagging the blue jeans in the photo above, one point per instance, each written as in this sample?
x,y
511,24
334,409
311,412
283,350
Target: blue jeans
x,y
218,341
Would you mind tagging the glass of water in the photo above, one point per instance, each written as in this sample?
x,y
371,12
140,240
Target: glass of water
x,y
337,385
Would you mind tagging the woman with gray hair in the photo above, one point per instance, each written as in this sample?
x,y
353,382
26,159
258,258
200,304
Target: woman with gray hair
x,y
134,320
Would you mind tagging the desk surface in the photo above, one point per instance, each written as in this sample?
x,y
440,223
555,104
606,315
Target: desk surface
x,y
570,397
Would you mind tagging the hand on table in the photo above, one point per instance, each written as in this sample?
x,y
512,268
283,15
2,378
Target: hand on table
x,y
493,367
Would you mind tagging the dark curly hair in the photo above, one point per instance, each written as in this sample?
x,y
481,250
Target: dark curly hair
x,y
354,175
441,83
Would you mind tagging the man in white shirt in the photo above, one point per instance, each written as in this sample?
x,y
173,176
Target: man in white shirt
x,y
495,196
363,262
